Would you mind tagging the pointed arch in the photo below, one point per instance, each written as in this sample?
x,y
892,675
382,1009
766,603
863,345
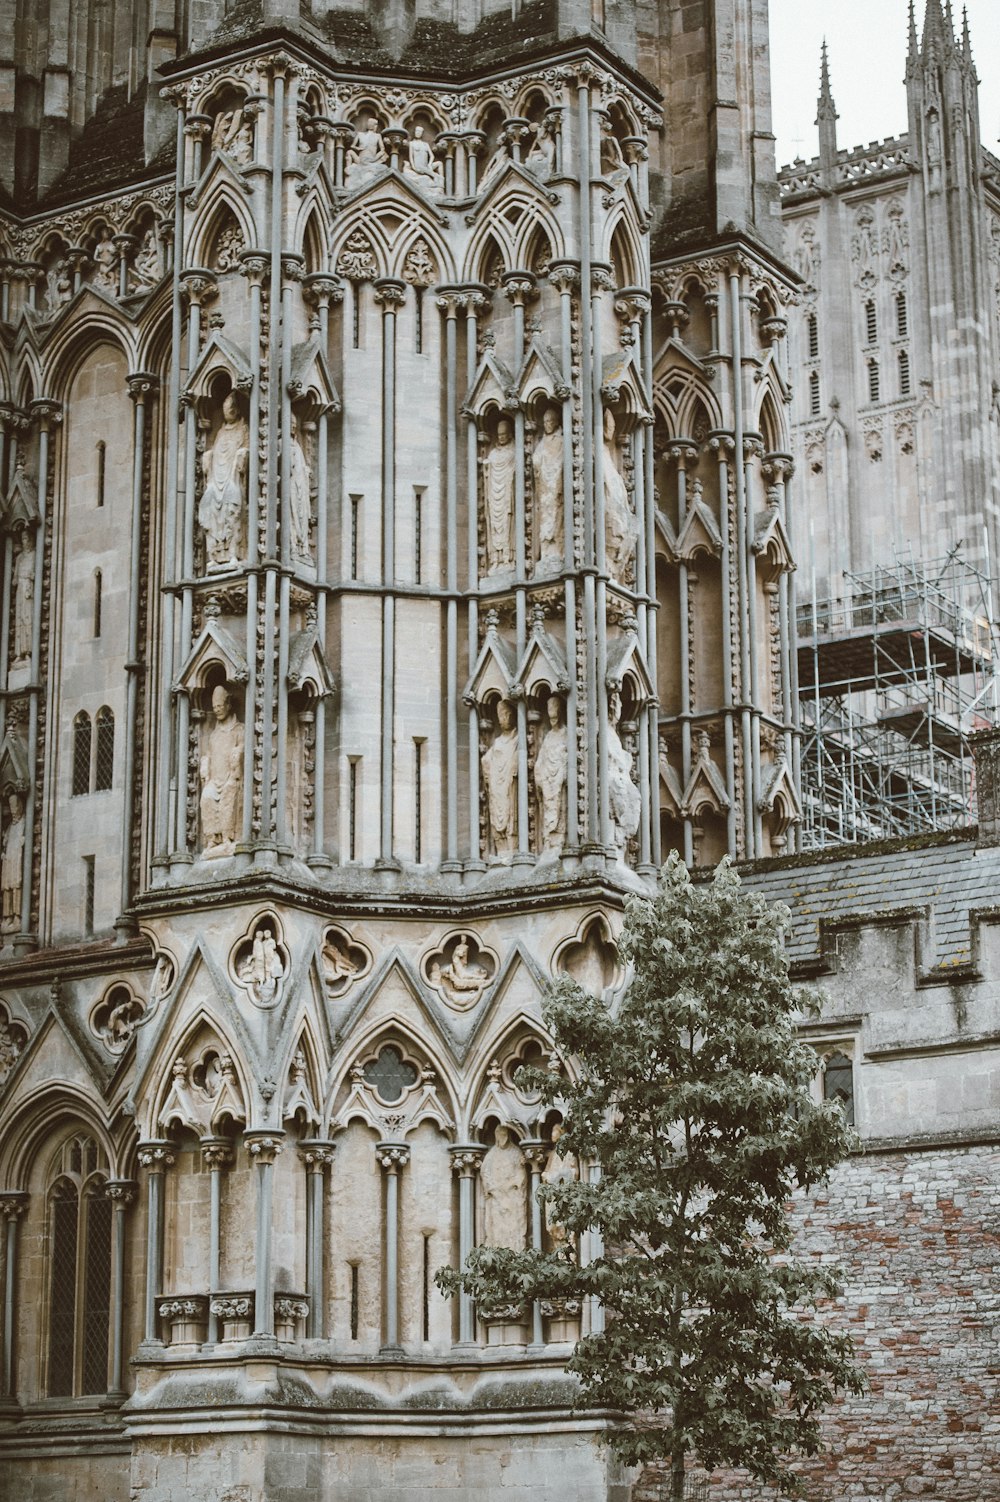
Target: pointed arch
x,y
33,1123
75,342
770,424
313,231
220,198
624,249
159,1071
368,1041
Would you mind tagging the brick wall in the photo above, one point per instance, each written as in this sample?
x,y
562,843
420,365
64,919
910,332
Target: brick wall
x,y
918,1238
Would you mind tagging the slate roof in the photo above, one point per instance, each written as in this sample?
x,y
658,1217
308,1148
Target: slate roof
x,y
947,875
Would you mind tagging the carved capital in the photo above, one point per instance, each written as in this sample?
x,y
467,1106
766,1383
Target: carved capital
x,y
235,1306
450,300
392,1156
254,266
390,294
141,384
198,285
466,1160
156,1156
193,1307
121,1191
216,1152
292,266
535,1153
46,413
519,287
13,1203
317,1154
287,1309
263,1147
321,288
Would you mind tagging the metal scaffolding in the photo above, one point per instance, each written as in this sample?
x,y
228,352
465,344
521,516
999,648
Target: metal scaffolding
x,y
893,677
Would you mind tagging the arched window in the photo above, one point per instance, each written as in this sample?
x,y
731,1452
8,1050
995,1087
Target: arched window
x,y
838,1083
79,1274
904,373
812,335
81,754
902,321
104,761
871,321
873,386
814,394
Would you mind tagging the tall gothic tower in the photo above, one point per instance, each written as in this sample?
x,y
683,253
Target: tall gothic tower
x,y
396,562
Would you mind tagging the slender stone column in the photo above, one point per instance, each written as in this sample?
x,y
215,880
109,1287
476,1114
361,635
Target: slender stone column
x,y
121,1193
449,301
48,414
155,1157
141,388
317,1155
390,295
392,1157
466,1161
216,1154
535,1153
263,1148
475,298
12,1206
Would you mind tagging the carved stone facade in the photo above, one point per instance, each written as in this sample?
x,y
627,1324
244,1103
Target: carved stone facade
x,y
895,339
396,563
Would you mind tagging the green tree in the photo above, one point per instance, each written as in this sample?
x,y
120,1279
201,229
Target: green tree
x,y
692,1100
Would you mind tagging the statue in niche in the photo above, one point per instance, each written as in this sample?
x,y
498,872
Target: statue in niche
x,y
558,1170
222,508
23,584
337,963
105,258
232,134
420,165
613,165
620,527
541,159
222,779
262,968
12,864
121,1021
146,266
58,284
299,498
505,1201
624,802
460,981
366,153
499,763
547,464
550,779
499,475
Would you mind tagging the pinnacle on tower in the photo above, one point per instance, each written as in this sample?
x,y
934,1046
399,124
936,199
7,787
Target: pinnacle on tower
x,y
826,111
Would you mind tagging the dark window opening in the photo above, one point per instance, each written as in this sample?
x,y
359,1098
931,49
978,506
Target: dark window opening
x,y
105,758
81,755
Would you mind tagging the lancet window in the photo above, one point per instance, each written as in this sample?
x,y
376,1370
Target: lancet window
x,y
79,1273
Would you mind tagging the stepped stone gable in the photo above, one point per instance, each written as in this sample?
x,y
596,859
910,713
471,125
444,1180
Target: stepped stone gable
x,y
399,510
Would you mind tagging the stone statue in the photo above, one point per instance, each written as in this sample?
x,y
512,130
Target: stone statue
x,y
558,1170
12,865
232,134
299,498
541,159
624,802
459,981
146,265
499,471
505,1200
366,153
499,763
58,284
222,508
337,963
24,597
262,968
620,528
613,165
222,779
121,1023
550,780
105,256
420,165
547,464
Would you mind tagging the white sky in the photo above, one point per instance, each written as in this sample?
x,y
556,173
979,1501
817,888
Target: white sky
x,y
866,41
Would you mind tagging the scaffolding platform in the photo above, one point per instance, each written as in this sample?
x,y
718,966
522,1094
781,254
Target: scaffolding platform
x,y
894,675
